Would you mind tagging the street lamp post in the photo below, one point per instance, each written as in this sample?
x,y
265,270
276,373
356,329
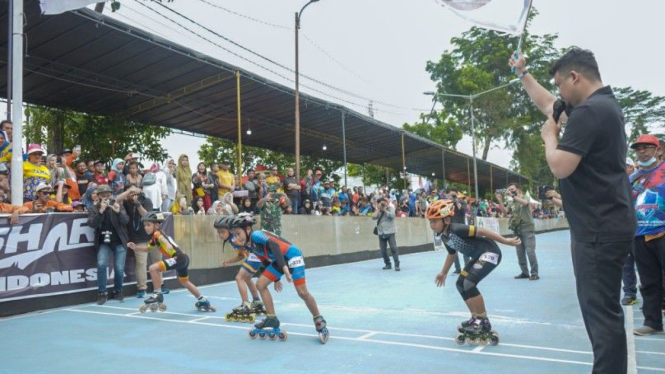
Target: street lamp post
x,y
298,16
473,125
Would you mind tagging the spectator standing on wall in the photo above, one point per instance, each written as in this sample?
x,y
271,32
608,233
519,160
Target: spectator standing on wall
x,y
34,173
252,187
271,210
292,188
171,185
109,220
183,176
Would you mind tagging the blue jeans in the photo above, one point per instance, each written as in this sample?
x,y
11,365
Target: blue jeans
x,y
103,255
629,277
294,205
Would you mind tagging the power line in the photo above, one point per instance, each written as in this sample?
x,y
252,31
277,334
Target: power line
x,y
349,93
261,66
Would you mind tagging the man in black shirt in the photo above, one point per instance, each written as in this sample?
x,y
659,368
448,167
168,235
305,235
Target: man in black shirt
x,y
590,162
292,188
137,205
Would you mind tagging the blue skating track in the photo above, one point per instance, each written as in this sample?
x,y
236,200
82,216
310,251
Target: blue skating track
x,y
380,322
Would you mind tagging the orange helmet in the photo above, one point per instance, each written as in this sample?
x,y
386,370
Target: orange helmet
x,y
440,209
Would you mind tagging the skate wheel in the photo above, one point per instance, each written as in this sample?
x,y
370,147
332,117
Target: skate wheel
x,y
162,308
251,318
235,318
459,339
252,334
323,336
483,341
262,335
494,338
241,318
272,335
282,336
143,308
153,307
198,308
229,317
472,341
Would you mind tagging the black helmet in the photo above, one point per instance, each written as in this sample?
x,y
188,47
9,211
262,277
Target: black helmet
x,y
225,222
243,220
153,217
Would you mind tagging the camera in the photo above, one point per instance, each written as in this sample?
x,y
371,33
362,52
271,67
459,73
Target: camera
x,y
111,202
542,192
141,198
107,236
500,191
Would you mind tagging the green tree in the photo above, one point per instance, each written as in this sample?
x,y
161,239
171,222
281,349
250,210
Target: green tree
x,y
100,137
217,149
641,109
438,127
375,176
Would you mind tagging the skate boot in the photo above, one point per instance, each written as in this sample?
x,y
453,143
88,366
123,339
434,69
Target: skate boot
x,y
268,328
321,327
155,302
203,305
257,307
478,332
241,313
466,323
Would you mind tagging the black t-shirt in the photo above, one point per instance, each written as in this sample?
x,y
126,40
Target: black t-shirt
x,y
108,229
596,196
459,213
135,227
292,194
462,239
83,182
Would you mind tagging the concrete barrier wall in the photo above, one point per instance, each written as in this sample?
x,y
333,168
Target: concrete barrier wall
x,y
322,236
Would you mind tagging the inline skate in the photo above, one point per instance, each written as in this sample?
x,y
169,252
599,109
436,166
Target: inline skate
x,y
203,305
155,302
242,313
268,328
321,327
477,332
257,307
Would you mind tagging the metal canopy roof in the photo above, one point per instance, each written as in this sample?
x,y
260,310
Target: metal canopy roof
x,y
91,63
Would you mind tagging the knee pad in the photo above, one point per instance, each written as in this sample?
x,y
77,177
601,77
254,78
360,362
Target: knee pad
x,y
460,288
469,286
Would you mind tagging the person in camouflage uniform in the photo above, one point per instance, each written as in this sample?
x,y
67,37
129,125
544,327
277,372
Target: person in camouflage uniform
x,y
271,208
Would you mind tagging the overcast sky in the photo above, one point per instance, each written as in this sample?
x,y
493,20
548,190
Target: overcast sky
x,y
379,48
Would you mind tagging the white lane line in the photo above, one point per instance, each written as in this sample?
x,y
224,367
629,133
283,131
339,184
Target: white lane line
x,y
368,335
478,348
630,340
196,320
34,314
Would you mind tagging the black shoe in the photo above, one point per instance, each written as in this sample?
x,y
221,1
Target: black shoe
x,y
522,276
101,299
534,277
387,267
397,267
117,295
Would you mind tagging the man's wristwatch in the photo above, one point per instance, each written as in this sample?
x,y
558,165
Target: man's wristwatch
x,y
524,72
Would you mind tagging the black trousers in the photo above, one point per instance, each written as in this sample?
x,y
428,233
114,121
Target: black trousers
x,y
650,260
597,268
383,243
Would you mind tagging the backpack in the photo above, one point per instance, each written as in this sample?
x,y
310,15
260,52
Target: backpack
x,y
149,179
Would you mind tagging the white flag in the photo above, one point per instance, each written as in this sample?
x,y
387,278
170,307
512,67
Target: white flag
x,y
507,16
61,6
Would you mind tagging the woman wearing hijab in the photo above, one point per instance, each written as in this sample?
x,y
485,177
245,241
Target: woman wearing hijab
x,y
156,191
169,169
90,197
183,176
116,177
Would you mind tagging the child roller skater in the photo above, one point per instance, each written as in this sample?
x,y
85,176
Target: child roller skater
x,y
281,258
175,259
246,311
478,244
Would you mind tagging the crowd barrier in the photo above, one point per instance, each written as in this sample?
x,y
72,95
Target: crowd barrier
x,y
49,260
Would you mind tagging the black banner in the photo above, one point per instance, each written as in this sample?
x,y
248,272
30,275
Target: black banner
x,y
47,254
